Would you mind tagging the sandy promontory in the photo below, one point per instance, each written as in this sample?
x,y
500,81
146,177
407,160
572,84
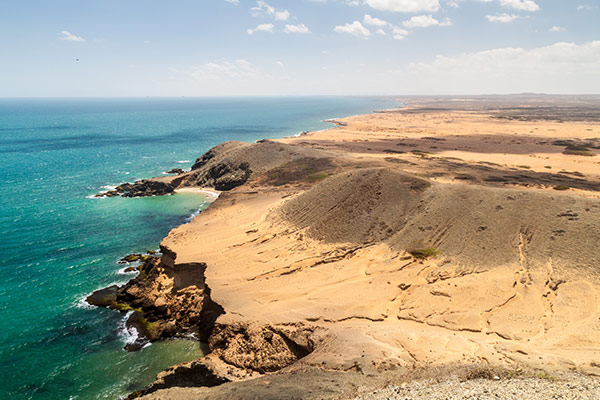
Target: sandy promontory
x,y
448,239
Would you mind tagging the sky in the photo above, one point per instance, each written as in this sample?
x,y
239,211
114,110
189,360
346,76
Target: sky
x,y
133,48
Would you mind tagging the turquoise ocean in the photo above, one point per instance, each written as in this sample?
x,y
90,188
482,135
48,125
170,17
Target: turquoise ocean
x,y
58,243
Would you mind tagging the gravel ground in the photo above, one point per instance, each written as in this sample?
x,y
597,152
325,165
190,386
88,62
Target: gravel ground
x,y
566,386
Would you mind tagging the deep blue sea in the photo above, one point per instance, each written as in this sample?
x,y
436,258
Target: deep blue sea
x,y
58,244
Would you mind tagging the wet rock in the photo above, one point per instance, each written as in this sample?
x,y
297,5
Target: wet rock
x,y
103,297
132,257
136,346
147,330
145,188
130,269
198,373
175,171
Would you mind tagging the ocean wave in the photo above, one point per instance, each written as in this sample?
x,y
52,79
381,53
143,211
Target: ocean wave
x,y
128,334
128,273
193,215
183,161
104,189
82,304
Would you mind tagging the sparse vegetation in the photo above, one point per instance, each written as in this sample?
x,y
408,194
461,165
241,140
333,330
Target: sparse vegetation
x,y
524,166
421,153
123,307
317,176
586,152
544,375
421,250
561,187
562,143
575,149
393,151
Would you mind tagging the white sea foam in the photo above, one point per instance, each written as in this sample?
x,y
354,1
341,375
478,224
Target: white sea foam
x,y
183,161
128,335
128,273
105,189
82,304
80,301
192,216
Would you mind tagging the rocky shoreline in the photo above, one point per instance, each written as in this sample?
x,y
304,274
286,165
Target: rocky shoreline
x,y
165,302
325,267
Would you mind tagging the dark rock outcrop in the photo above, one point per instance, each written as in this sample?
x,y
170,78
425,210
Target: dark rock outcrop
x,y
198,373
238,352
103,297
175,171
205,158
167,300
144,188
227,176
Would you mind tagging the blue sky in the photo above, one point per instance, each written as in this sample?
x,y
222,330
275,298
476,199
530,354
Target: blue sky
x,y
299,47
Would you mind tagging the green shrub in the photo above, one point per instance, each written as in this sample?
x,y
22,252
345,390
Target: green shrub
x,y
422,253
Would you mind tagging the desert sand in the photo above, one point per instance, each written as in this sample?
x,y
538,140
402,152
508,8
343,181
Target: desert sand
x,y
436,237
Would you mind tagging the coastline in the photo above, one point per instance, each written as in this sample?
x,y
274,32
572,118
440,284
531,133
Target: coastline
x,y
263,255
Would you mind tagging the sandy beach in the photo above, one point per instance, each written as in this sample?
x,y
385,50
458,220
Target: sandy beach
x,y
399,244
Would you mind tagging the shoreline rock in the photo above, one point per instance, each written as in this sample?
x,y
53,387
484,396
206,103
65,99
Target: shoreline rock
x,y
167,300
103,297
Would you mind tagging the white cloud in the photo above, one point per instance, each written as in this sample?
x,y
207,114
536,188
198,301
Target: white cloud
x,y
584,8
454,4
502,18
262,7
355,28
282,15
521,5
68,36
280,64
557,29
261,28
237,69
380,32
559,68
368,20
424,21
300,28
236,2
405,5
399,33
